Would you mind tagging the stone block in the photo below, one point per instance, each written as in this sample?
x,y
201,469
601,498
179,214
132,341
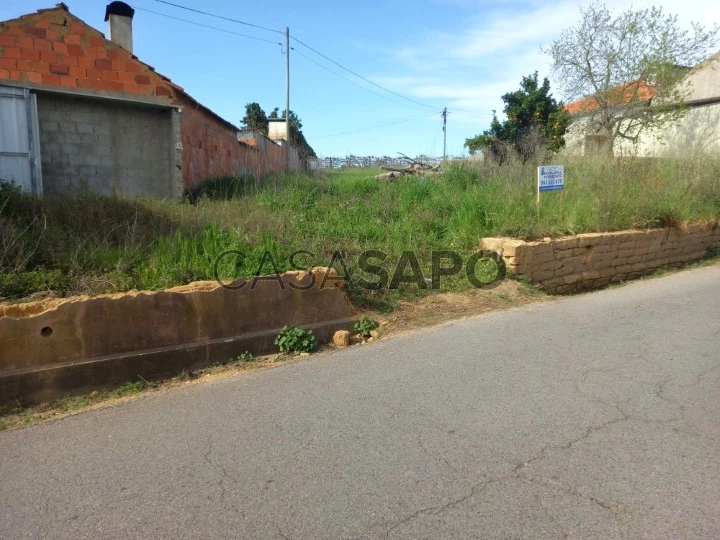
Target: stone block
x,y
562,244
542,276
341,339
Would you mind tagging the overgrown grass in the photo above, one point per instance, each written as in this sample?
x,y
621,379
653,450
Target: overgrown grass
x,y
94,244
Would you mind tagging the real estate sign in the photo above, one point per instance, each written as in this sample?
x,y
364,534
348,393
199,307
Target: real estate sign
x,y
551,177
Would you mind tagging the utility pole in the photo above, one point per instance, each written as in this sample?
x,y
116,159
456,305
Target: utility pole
x,y
444,117
287,98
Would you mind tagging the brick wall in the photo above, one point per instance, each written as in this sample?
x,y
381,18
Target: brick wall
x,y
210,148
53,48
588,261
93,144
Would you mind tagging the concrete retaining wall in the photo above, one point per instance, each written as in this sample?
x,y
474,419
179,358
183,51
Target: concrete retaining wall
x,y
58,347
589,261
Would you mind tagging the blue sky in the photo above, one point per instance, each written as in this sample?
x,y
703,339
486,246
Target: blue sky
x,y
459,54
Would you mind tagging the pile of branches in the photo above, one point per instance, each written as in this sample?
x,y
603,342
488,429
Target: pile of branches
x,y
413,167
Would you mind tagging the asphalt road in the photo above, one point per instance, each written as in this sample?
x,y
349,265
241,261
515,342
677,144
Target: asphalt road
x,y
592,416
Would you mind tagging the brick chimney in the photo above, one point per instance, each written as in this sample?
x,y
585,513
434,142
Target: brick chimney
x,y
120,16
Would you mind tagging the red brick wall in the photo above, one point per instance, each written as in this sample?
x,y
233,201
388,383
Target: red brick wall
x,y
210,147
54,48
262,162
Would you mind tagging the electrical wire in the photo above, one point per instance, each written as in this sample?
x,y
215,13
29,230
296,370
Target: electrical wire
x,y
207,26
360,76
349,80
322,55
410,100
218,16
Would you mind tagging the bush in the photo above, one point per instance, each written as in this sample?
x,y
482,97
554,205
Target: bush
x,y
245,357
296,340
366,325
17,285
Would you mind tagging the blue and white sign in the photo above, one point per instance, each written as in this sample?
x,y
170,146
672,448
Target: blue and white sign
x,y
551,177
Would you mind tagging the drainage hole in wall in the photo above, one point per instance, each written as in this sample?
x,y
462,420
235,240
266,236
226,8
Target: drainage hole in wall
x,y
46,332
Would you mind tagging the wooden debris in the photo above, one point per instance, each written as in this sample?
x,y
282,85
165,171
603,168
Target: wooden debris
x,y
413,168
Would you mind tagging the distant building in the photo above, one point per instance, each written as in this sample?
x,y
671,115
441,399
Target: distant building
x,y
696,132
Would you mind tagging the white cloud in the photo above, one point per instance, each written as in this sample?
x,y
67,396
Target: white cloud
x,y
473,67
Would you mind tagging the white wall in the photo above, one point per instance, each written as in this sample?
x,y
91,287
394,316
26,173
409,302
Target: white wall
x,y
697,132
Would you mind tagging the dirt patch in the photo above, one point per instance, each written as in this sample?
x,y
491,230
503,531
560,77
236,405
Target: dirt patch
x,y
438,308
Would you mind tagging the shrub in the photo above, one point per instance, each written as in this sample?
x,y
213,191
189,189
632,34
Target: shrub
x,y
17,285
244,357
366,325
297,340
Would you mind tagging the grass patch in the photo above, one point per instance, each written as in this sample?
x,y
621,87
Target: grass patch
x,y
92,244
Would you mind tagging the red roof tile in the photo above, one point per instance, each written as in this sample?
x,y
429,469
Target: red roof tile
x,y
623,93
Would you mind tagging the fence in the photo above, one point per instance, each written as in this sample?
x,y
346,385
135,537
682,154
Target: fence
x,y
367,161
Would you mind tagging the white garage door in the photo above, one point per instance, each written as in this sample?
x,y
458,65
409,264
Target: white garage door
x,y
19,141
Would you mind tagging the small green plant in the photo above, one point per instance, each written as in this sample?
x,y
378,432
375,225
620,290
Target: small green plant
x,y
129,389
366,325
244,357
297,340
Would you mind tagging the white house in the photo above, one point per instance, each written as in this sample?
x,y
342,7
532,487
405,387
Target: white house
x,y
696,132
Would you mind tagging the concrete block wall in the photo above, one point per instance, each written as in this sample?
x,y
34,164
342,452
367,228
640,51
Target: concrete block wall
x,y
589,261
108,147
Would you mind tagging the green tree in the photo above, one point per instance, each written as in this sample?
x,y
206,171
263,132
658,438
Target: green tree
x,y
618,62
535,121
255,118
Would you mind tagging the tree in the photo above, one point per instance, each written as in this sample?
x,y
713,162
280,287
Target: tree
x,y
255,118
618,63
535,120
297,139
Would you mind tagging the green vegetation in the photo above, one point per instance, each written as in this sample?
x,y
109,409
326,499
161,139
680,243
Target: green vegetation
x,y
92,244
255,118
296,340
245,357
366,325
535,123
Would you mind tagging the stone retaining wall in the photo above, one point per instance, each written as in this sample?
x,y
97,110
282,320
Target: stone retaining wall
x,y
589,261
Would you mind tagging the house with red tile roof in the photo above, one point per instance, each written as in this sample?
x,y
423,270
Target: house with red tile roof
x,y
79,111
693,128
625,93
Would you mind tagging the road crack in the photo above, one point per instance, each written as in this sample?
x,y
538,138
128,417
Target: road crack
x,y
439,509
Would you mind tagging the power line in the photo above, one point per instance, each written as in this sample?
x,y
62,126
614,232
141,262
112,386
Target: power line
x,y
208,26
410,100
360,76
417,117
471,113
349,80
218,16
